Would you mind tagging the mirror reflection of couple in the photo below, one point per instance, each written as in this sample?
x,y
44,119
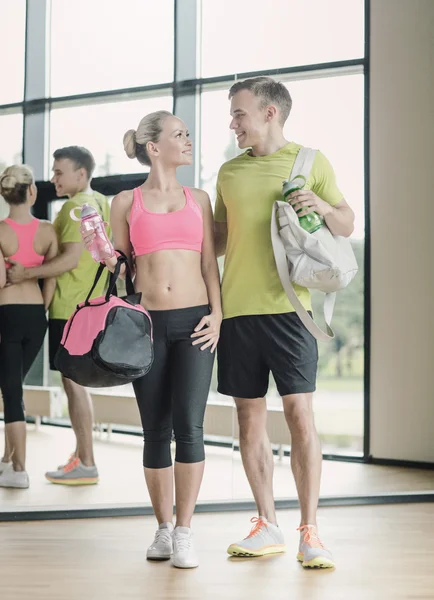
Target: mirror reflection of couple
x,y
170,230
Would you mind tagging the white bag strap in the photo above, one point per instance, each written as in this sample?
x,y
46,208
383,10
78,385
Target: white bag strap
x,y
282,269
303,163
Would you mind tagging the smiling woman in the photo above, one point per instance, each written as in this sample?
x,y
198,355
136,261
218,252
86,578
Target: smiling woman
x,y
166,230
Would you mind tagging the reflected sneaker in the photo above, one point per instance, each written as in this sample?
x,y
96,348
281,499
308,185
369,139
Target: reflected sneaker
x,y
74,473
4,466
184,553
264,538
14,479
70,459
162,546
311,552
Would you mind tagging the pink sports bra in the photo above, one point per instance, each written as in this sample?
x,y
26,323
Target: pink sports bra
x,y
25,254
178,230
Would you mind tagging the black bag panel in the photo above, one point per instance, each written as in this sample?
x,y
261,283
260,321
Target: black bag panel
x,y
125,343
120,354
84,370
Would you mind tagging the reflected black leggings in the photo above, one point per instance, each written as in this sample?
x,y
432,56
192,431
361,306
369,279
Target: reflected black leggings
x,y
22,331
173,395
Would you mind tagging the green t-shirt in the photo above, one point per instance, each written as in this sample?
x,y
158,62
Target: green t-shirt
x,y
247,186
73,286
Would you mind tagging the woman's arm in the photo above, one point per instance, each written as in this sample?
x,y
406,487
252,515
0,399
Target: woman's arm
x,y
120,207
53,249
211,277
210,270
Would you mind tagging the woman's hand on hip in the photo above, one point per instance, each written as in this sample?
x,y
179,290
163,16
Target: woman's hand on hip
x,y
207,332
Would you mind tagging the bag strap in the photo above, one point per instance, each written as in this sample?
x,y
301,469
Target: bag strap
x,y
303,163
95,281
129,285
283,270
122,260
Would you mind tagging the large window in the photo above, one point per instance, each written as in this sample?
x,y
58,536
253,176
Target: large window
x,y
11,139
101,127
98,67
12,49
101,45
241,36
217,142
327,114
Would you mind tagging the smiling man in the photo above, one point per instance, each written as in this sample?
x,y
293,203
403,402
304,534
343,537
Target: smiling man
x,y
261,332
75,271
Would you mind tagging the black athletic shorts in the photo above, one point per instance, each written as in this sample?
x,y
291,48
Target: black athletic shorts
x,y
252,346
55,333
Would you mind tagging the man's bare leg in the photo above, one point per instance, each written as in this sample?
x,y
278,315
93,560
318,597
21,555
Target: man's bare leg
x,y
306,456
256,453
81,415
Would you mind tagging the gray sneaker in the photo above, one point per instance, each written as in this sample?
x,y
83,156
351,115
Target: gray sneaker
x,y
71,458
311,552
162,546
264,538
74,473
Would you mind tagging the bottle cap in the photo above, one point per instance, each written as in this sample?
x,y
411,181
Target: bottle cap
x,y
87,211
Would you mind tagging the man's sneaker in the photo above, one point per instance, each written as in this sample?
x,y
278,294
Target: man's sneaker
x,y
4,465
70,459
14,479
184,553
162,546
311,552
264,538
74,473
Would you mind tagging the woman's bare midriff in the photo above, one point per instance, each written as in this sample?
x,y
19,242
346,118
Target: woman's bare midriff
x,y
170,279
27,292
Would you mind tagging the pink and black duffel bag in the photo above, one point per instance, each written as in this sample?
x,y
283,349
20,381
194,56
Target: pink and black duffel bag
x,y
108,340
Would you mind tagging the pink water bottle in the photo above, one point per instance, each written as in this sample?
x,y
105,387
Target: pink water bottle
x,y
101,247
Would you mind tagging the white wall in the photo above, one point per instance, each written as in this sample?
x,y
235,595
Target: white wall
x,y
402,223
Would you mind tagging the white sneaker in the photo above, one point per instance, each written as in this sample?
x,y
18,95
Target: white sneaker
x,y
264,538
162,546
3,466
184,552
14,479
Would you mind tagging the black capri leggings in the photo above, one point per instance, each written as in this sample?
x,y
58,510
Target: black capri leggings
x,y
173,395
22,331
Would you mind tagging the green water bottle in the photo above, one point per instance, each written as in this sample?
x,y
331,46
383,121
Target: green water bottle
x,y
311,222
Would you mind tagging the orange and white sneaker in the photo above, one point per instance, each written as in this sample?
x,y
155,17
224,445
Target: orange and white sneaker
x,y
311,552
74,473
264,538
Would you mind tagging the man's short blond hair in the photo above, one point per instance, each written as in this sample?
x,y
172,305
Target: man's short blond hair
x,y
269,91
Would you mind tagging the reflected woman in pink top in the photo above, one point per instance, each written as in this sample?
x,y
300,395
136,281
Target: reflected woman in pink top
x,y
166,230
23,323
